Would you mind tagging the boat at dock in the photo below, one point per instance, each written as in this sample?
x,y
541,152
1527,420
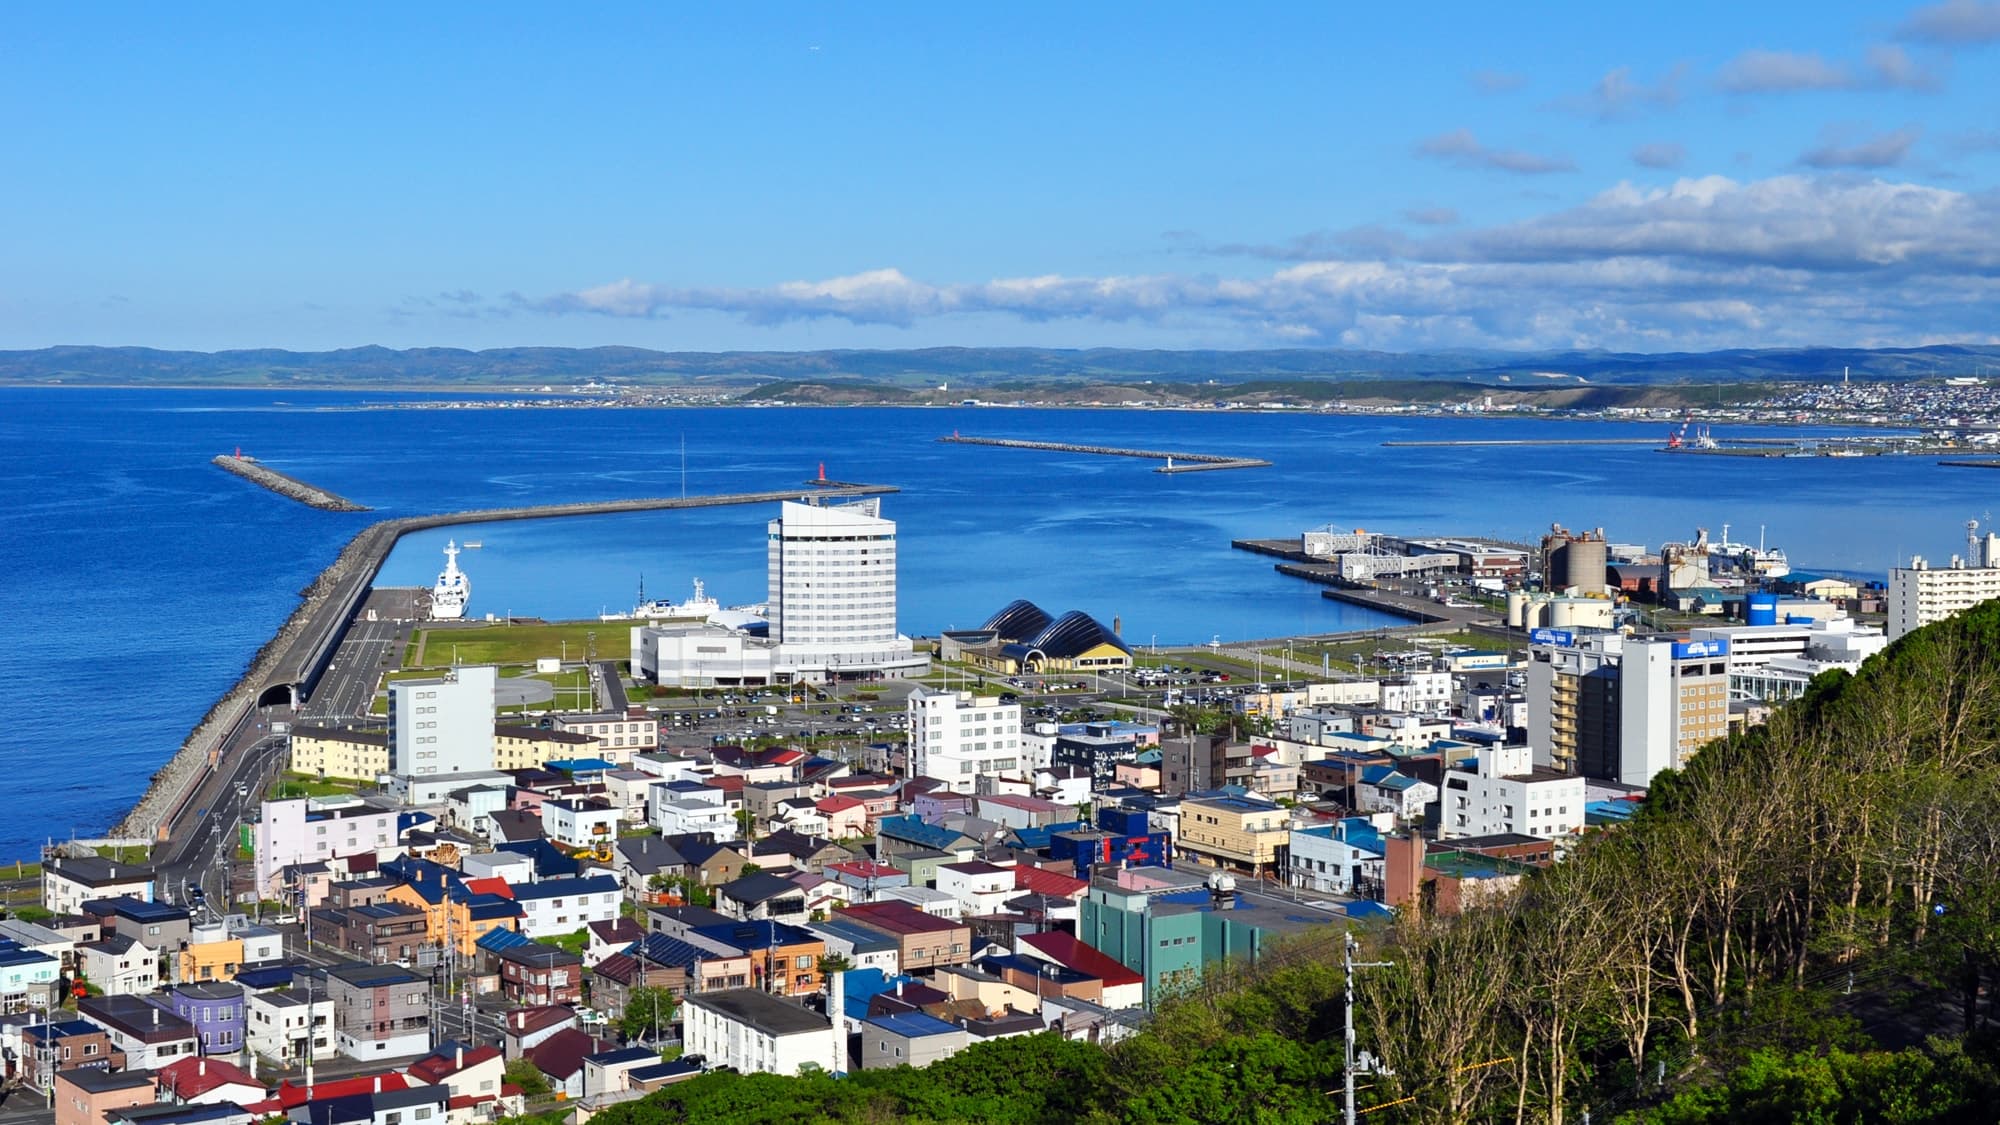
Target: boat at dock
x,y
1762,561
453,588
700,607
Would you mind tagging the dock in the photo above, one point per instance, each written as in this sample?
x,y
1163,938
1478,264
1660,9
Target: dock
x,y
1961,463
1176,462
1520,441
284,484
286,670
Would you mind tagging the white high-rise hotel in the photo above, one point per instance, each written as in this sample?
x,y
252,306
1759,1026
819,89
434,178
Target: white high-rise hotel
x,y
832,590
831,571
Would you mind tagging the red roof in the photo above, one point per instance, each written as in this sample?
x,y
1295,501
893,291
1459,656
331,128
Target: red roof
x,y
1068,952
191,1077
433,1069
562,1054
785,757
727,782
290,1095
490,886
898,918
837,803
617,931
1041,881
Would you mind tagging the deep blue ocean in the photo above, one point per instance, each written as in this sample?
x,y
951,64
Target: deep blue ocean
x,y
140,579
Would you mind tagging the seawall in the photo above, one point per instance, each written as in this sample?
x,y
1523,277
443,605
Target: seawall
x,y
294,654
284,485
1189,462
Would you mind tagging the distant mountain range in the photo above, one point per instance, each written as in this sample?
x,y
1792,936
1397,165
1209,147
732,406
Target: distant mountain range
x,y
1014,369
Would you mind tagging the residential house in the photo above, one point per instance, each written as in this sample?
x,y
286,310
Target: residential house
x,y
119,966
908,1039
762,896
158,926
757,1033
1383,789
846,817
898,835
578,824
147,1034
1343,858
977,887
924,941
1119,986
289,1024
380,1011
207,1081
379,932
800,850
783,959
28,978
466,1072
70,881
610,937
619,736
560,1058
314,829
639,859
683,817
64,1044
540,975
215,1008
87,1097
526,1028
563,906
863,947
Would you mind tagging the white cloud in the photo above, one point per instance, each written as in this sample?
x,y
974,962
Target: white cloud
x,y
1953,23
1460,147
1706,262
1883,151
1660,154
1778,72
1619,94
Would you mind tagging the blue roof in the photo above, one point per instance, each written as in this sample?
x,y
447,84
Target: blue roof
x,y
493,941
1017,619
549,859
913,1025
863,985
1036,838
1363,908
556,888
747,936
266,977
915,831
861,937
1608,812
663,950
581,765
1071,635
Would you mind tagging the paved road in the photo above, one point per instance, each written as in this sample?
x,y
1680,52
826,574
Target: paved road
x,y
204,846
610,688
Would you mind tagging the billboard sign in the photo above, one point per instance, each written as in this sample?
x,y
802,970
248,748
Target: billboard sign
x,y
1696,650
1561,638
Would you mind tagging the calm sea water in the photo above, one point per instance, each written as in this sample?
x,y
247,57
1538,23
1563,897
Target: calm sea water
x,y
140,579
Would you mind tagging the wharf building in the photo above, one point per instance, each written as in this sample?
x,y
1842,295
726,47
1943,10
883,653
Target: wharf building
x,y
1920,594
831,601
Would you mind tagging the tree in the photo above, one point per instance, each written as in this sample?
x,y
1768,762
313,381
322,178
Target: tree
x,y
527,1076
649,1010
831,963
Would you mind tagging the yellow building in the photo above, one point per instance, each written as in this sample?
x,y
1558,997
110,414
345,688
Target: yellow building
x,y
1236,832
1022,638
453,920
528,748
330,752
208,960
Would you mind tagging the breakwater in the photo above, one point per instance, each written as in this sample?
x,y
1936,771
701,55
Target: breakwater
x,y
1187,462
286,485
291,661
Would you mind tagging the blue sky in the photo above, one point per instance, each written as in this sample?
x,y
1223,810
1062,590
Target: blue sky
x,y
1652,178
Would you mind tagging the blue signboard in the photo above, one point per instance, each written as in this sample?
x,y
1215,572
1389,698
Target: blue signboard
x,y
1561,638
1695,650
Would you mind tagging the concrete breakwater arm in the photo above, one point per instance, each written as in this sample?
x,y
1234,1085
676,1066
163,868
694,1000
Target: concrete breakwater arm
x,y
1194,462
292,659
284,485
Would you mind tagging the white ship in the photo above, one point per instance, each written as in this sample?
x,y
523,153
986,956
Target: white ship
x,y
1764,562
698,608
453,588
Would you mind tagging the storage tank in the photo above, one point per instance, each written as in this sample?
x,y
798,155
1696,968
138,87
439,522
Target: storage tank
x,y
1562,613
1762,610
1517,605
1585,560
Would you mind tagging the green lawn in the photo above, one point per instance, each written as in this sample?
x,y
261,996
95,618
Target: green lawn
x,y
293,785
139,854
517,644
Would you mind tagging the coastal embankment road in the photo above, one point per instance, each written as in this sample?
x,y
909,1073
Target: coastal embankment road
x,y
204,845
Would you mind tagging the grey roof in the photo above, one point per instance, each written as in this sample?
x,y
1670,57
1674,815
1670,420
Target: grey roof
x,y
761,1012
760,886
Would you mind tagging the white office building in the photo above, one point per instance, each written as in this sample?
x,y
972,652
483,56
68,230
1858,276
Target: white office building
x,y
957,737
1920,594
1776,662
757,1033
1506,792
442,725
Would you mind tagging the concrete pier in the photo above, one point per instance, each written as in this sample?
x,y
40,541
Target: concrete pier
x,y
1176,462
286,485
287,667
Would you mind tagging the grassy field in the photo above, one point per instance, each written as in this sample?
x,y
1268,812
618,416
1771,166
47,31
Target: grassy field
x,y
138,854
1345,654
293,785
517,644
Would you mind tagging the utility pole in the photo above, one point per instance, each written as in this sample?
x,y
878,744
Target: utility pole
x,y
1348,961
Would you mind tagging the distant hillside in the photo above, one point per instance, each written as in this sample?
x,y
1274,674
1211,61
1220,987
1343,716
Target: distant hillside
x,y
1018,370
